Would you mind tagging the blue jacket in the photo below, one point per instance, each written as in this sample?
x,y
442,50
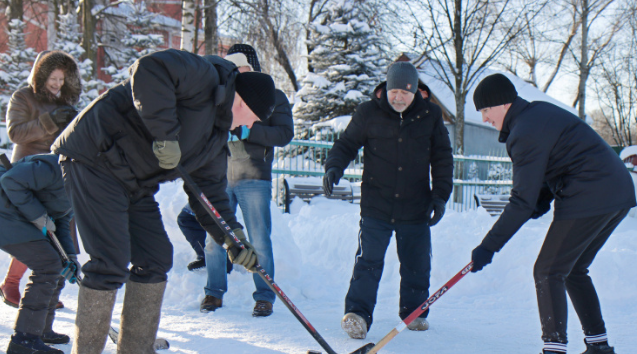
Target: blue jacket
x,y
32,188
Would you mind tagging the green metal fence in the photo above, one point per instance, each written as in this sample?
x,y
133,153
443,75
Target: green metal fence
x,y
472,175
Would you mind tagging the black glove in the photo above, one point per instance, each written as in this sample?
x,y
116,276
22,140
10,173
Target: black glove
x,y
63,115
332,176
71,269
437,206
480,257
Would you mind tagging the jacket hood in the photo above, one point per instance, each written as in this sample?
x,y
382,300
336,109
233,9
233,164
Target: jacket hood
x,y
44,65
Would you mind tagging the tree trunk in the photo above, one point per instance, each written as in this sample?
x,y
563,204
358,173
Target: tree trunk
x,y
88,38
187,25
16,10
51,26
584,67
210,27
458,71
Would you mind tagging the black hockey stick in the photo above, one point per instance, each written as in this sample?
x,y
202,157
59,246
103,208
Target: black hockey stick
x,y
262,273
160,343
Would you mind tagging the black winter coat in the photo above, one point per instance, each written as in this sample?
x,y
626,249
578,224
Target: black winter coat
x,y
550,146
399,151
252,158
171,95
32,188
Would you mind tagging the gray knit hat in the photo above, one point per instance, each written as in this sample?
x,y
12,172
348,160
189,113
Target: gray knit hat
x,y
494,90
402,75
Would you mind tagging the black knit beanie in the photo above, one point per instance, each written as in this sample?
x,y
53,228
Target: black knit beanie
x,y
402,75
494,90
257,90
249,52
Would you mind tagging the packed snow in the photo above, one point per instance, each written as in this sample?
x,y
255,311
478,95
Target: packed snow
x,y
493,311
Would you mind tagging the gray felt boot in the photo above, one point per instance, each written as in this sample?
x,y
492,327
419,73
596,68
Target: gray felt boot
x,y
140,317
93,320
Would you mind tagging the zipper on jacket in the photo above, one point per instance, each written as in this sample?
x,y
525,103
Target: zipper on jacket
x,y
401,118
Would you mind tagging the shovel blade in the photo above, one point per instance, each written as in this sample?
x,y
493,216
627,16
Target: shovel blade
x,y
364,349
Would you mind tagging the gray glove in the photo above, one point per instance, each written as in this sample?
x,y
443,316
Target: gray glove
x,y
246,256
44,223
168,153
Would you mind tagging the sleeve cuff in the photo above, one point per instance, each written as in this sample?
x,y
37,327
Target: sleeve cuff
x,y
48,123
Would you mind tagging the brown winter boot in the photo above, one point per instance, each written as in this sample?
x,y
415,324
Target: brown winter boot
x,y
140,318
93,320
10,288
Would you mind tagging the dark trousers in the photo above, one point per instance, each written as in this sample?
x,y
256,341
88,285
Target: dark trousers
x,y
116,230
192,230
37,307
562,266
413,243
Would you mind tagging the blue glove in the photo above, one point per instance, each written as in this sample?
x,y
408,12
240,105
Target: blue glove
x,y
245,132
240,133
71,269
480,257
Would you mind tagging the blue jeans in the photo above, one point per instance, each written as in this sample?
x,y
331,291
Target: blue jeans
x,y
253,196
413,243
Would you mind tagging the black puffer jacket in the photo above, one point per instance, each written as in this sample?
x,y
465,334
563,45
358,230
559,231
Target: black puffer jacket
x,y
399,151
32,188
252,158
171,95
550,146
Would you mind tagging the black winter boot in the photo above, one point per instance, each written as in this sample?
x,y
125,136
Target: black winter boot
x,y
198,264
599,348
25,343
55,338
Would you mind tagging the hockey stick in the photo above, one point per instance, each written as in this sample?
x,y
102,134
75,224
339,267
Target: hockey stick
x,y
160,343
423,307
262,273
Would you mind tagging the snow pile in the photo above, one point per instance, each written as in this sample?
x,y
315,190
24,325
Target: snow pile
x,y
491,312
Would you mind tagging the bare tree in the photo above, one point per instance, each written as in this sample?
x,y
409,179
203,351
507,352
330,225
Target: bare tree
x,y
593,44
551,31
616,86
462,38
270,24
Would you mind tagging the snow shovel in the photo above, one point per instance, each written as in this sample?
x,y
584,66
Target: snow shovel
x,y
370,348
262,273
160,343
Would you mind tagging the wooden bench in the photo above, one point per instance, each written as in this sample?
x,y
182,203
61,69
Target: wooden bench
x,y
307,188
494,204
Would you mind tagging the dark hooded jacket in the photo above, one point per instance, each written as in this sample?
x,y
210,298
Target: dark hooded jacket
x,y
400,151
29,125
252,158
171,95
31,189
554,148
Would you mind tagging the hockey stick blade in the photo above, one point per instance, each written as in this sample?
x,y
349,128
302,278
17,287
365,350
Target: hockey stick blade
x,y
160,343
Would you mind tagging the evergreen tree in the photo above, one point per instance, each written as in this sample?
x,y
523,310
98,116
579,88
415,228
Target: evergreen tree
x,y
137,40
347,61
15,64
69,40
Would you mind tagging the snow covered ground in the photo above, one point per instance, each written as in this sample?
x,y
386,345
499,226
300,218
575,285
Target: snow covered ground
x,y
492,312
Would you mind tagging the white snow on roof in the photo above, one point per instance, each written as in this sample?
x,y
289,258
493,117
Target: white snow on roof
x,y
628,151
431,78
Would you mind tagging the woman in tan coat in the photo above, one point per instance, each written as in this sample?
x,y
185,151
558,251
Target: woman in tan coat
x,y
35,117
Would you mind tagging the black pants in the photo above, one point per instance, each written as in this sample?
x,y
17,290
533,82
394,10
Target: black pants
x,y
413,243
562,266
116,230
37,307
